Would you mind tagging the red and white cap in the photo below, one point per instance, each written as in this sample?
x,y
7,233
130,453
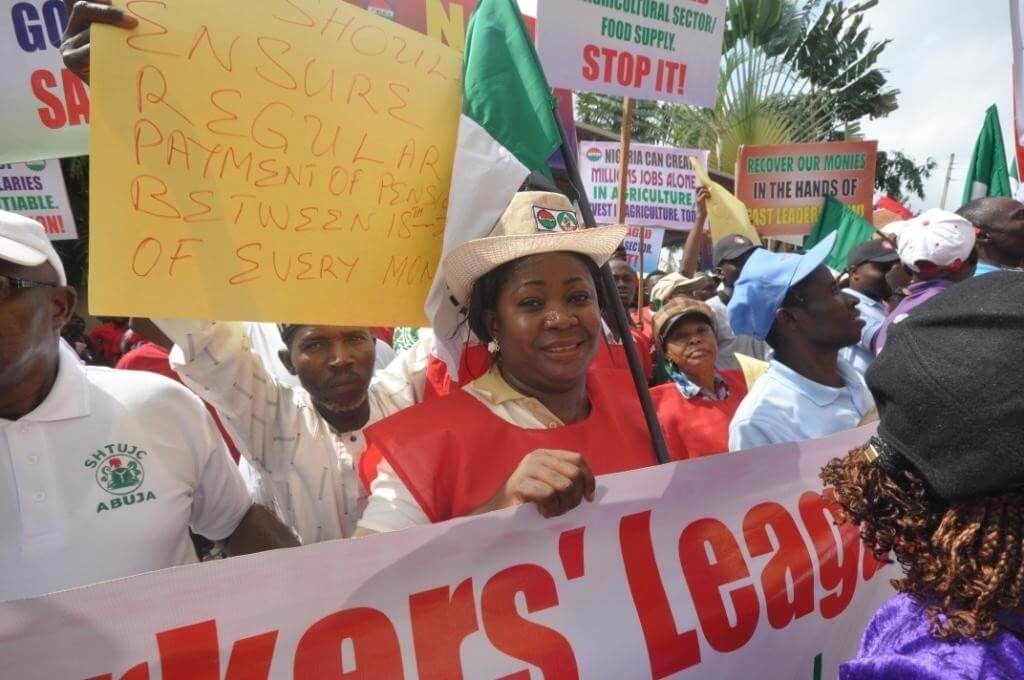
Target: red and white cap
x,y
936,240
23,241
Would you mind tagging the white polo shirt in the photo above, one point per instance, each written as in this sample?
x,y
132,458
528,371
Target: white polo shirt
x,y
104,478
784,406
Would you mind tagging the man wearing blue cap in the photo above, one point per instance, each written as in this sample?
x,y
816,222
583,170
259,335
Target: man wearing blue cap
x,y
793,302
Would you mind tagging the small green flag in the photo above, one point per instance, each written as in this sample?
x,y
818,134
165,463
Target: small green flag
x,y
853,230
987,175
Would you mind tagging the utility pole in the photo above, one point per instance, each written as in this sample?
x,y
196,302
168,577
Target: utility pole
x,y
945,185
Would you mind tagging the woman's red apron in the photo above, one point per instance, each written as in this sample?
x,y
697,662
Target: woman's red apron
x,y
453,453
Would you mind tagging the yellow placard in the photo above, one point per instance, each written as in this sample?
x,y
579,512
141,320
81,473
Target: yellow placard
x,y
274,160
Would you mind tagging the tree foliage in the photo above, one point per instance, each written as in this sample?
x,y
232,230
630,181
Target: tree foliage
x,y
896,173
75,253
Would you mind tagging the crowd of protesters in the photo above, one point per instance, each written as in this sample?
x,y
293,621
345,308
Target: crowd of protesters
x,y
257,436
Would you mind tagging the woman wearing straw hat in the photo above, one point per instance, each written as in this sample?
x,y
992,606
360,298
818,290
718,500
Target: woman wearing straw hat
x,y
542,421
697,404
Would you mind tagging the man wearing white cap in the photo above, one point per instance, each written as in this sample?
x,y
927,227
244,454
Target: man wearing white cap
x,y
938,249
102,472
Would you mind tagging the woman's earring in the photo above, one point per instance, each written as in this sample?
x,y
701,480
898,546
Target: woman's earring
x,y
493,347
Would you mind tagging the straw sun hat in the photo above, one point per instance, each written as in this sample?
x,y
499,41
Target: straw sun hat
x,y
677,283
534,222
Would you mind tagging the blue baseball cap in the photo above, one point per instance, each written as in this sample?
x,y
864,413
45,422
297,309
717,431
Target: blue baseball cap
x,y
764,282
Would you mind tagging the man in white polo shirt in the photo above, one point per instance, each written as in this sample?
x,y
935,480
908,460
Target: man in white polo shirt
x,y
793,302
102,472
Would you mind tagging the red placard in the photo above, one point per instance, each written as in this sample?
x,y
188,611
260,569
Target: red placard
x,y
444,20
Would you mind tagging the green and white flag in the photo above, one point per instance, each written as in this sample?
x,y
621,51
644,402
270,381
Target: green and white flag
x,y
853,230
507,130
987,175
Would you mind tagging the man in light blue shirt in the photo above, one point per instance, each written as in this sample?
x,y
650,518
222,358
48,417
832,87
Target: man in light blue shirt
x,y
793,302
867,266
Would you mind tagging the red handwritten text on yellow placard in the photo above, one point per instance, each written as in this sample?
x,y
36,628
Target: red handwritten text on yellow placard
x,y
288,162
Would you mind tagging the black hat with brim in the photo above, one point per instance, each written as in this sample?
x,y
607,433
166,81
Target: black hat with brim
x,y
875,250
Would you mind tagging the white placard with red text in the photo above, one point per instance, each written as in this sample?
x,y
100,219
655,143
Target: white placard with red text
x,y
667,50
722,567
45,110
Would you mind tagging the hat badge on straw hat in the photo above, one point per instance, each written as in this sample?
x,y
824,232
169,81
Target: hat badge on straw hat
x,y
534,222
556,220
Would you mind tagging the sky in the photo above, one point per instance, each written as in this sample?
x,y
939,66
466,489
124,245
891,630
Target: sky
x,y
950,60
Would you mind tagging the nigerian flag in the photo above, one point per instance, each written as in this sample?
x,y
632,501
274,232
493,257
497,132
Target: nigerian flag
x,y
987,175
507,130
853,230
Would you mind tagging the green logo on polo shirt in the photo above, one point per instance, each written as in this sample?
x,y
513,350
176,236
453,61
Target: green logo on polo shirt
x,y
119,472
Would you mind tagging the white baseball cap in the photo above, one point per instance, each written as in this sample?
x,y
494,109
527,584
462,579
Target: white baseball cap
x,y
23,241
941,238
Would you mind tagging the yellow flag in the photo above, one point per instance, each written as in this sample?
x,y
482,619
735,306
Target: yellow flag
x,y
752,368
727,213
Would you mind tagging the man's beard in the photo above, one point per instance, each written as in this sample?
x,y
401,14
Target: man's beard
x,y
880,292
336,406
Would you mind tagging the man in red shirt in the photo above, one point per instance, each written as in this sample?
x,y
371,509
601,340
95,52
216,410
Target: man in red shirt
x,y
106,339
153,355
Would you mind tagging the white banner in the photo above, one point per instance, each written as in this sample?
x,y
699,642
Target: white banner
x,y
661,188
722,567
46,106
668,50
652,248
36,189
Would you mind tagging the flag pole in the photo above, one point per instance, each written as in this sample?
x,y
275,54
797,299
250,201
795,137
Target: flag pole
x,y
611,295
625,138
